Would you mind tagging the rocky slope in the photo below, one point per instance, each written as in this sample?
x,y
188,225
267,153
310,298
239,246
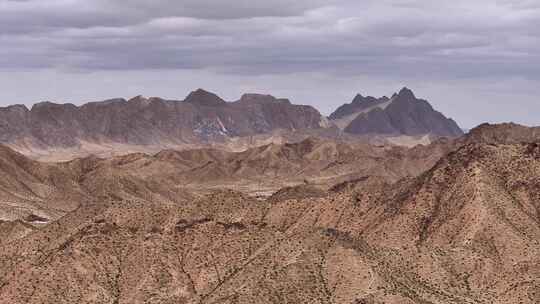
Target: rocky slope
x,y
403,114
30,190
33,191
265,169
507,133
201,117
359,103
465,231
39,193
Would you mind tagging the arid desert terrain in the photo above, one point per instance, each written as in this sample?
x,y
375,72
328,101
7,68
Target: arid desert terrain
x,y
385,201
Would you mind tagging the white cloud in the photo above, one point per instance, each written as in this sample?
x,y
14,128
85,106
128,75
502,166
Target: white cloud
x,y
392,41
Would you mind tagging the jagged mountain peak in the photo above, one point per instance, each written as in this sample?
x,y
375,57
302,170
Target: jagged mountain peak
x,y
406,93
359,103
358,98
204,98
403,114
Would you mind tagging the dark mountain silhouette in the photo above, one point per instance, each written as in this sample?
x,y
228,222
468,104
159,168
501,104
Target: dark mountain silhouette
x,y
359,103
403,114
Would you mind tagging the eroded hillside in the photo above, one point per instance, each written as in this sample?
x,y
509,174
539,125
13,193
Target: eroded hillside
x,y
464,230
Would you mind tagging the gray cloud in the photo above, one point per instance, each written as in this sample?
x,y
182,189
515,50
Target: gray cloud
x,y
389,41
42,15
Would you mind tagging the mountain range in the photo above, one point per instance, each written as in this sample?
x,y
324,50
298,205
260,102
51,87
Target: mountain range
x,y
455,221
262,201
202,115
204,119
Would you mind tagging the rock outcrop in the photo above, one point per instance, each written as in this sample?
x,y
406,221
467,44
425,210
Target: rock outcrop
x,y
403,114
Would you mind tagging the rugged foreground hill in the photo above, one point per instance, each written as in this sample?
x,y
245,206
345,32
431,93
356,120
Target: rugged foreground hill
x,y
265,169
465,231
31,189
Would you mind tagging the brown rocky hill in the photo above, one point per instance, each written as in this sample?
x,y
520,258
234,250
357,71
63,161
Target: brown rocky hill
x,y
403,114
507,133
31,190
38,193
50,190
266,169
202,116
465,231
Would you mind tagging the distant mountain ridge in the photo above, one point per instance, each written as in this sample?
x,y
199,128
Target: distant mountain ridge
x,y
202,116
359,103
204,119
403,114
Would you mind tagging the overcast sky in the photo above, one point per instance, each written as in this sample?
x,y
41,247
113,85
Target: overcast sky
x,y
474,60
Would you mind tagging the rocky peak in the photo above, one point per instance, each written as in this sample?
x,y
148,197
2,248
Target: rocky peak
x,y
204,98
404,115
41,105
366,101
51,106
18,108
261,98
359,103
406,93
358,99
139,100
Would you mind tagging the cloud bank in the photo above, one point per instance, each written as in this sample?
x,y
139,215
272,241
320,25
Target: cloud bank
x,y
463,55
